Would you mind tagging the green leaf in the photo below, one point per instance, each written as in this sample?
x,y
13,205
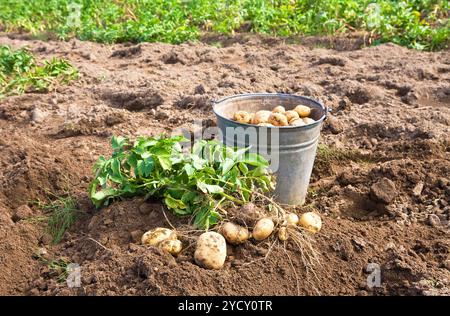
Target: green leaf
x,y
255,160
209,188
118,142
227,165
189,170
165,162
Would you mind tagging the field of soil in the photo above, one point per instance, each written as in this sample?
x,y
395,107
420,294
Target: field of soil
x,y
382,184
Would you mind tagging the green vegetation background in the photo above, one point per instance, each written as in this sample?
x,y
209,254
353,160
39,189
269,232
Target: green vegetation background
x,y
419,24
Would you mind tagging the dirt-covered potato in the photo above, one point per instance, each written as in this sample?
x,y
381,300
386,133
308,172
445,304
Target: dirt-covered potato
x,y
291,115
234,234
278,119
247,215
265,124
171,246
263,229
297,122
242,117
303,110
282,234
279,109
308,120
261,117
310,221
211,250
291,219
155,236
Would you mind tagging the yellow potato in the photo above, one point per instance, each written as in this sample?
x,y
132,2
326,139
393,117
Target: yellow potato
x,y
211,250
291,115
308,120
155,236
297,122
303,110
291,219
263,228
242,117
171,246
261,117
234,234
279,109
278,119
311,221
282,234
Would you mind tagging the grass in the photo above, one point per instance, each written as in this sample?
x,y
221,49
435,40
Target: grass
x,y
61,214
327,156
59,267
419,24
20,72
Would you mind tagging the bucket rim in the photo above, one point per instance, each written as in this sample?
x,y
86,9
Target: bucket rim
x,y
242,95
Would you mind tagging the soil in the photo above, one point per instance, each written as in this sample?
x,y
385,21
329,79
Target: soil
x,y
384,199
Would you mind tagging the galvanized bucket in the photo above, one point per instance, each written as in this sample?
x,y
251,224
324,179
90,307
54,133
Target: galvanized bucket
x,y
294,147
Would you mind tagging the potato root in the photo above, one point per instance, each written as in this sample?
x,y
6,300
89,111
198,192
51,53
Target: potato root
x,y
242,117
211,250
261,117
303,110
278,119
234,234
171,246
279,109
310,221
291,115
155,236
263,229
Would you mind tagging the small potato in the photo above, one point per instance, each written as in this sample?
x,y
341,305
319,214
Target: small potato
x,y
297,122
278,119
282,234
279,109
265,124
291,219
211,250
171,246
155,236
263,228
303,110
261,117
242,117
311,221
234,234
308,120
291,115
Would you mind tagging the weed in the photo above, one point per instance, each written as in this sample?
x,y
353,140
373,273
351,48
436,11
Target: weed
x,y
58,267
19,72
61,214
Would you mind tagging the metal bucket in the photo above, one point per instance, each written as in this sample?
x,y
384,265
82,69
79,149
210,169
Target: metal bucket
x,y
294,147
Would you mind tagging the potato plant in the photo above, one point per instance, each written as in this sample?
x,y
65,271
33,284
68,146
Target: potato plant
x,y
199,183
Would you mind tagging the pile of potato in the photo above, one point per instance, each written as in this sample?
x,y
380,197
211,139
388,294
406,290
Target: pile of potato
x,y
211,247
299,116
